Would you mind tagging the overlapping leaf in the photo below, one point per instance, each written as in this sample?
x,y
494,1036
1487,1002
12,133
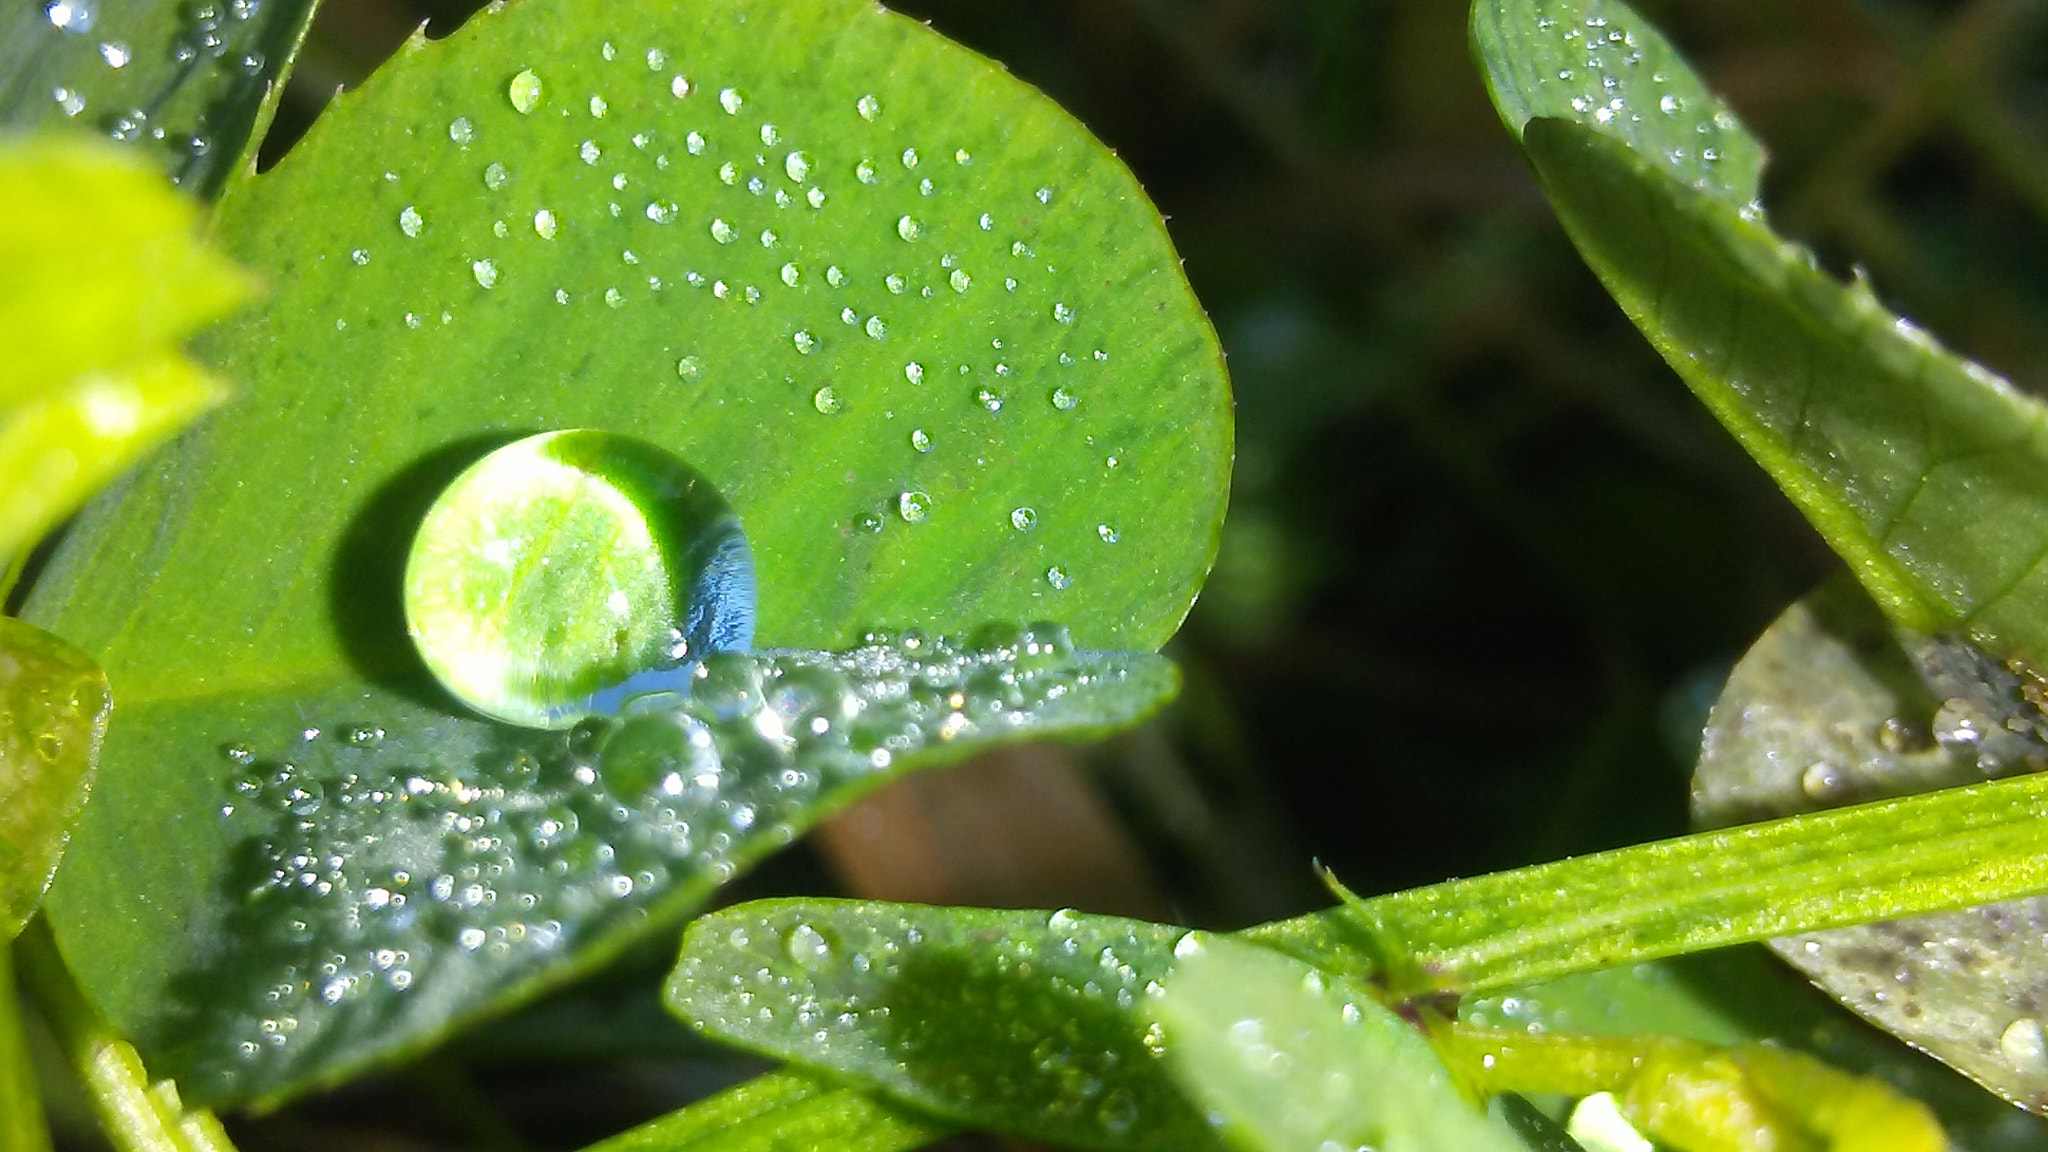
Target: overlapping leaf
x,y
53,713
780,1111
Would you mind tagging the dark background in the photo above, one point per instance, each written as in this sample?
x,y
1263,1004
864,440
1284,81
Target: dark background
x,y
1486,559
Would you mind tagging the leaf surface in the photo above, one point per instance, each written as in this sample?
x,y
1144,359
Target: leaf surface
x,y
22,1127
1293,1060
778,1111
1025,418
53,713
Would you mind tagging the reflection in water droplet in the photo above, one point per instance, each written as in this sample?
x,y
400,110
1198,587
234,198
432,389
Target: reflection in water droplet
x,y
868,107
1108,534
920,440
689,368
1023,519
496,176
961,281
804,341
589,151
544,224
825,400
1057,577
461,130
410,222
797,166
524,91
914,372
587,549
723,232
485,271
913,506
1063,399
731,100
909,228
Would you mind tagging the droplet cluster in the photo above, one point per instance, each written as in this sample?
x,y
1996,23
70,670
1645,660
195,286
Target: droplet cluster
x,y
388,874
905,999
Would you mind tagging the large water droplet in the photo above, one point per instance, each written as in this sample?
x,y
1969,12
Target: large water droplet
x,y
567,571
908,228
524,91
826,401
913,506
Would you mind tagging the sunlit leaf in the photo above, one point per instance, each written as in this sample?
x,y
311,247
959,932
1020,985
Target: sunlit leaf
x,y
781,1112
53,712
21,1110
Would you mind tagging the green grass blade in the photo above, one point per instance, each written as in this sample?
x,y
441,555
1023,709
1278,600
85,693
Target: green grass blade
x,y
1292,1060
22,1128
781,1112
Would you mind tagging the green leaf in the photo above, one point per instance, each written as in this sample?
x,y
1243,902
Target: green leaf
x,y
105,276
189,86
1597,62
22,1127
1016,1021
1292,1060
383,888
1833,705
781,1111
248,588
54,704
1927,473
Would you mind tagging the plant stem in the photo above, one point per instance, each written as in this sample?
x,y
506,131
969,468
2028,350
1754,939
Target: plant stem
x,y
21,1111
1876,861
136,1115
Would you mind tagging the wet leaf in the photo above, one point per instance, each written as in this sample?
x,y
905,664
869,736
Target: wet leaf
x,y
1833,705
389,885
1926,472
105,276
963,450
189,86
53,712
779,1111
1293,1060
1021,1022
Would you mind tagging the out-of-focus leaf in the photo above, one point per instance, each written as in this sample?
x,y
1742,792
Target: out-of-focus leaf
x,y
782,1112
1833,705
1015,1021
21,1110
53,711
390,886
1926,472
105,274
1025,418
1598,62
188,84
1292,1060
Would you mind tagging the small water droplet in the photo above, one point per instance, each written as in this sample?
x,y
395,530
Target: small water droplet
x,y
868,107
461,130
797,166
689,368
1822,781
1063,399
868,522
769,238
598,107
875,328
815,197
495,176
410,221
1109,535
910,157
694,144
1023,519
791,275
485,271
1062,313
806,344
360,256
723,232
913,506
914,372
1044,195
544,224
834,276
960,280
1057,577
920,440
589,151
864,171
524,91
825,400
731,100
412,320
770,135
991,400
679,86
115,54
662,211
69,15
656,59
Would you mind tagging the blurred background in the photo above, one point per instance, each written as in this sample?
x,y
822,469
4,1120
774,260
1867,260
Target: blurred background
x,y
1486,560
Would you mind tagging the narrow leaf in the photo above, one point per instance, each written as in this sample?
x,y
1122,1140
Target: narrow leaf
x,y
53,712
1015,1021
21,1110
781,1112
1292,1060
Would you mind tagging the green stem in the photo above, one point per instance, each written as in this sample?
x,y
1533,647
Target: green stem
x,y
136,1115
1877,861
21,1111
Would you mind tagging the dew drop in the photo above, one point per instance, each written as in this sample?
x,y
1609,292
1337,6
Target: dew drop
x,y
875,328
797,166
1063,313
770,135
662,211
115,54
461,130
910,157
689,368
613,298
410,221
589,151
69,15
791,275
914,372
598,107
485,271
524,91
991,400
868,107
723,232
544,224
920,440
960,280
656,59
360,256
826,401
1023,519
806,344
731,100
1109,535
864,171
815,197
894,283
694,144
1063,399
913,506
1044,195
834,276
2025,1046
1057,577
495,176
679,86
962,158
